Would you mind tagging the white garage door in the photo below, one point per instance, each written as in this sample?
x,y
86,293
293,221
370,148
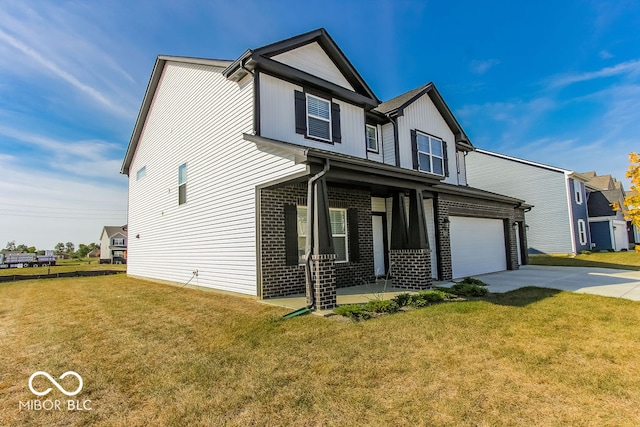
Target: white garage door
x,y
477,246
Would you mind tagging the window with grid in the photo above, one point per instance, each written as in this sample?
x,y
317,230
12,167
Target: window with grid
x,y
372,138
430,154
338,231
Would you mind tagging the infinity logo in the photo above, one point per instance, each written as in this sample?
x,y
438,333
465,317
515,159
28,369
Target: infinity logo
x,y
55,383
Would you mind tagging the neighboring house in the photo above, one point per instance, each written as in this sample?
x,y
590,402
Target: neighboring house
x,y
239,169
558,223
95,253
113,245
609,229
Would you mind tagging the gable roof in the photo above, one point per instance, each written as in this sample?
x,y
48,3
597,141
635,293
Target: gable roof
x,y
583,177
112,230
158,68
261,58
395,107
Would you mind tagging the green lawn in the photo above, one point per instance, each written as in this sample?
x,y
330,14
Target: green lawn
x,y
152,354
623,260
62,266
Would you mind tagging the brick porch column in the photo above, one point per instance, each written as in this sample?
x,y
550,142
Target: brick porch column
x,y
411,268
324,287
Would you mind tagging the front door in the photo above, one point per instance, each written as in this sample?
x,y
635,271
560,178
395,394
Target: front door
x,y
379,245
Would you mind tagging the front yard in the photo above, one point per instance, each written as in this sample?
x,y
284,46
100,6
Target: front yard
x,y
152,354
629,260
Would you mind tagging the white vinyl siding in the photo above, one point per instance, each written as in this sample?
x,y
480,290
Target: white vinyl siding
x,y
549,222
462,168
198,117
311,58
423,115
388,144
277,119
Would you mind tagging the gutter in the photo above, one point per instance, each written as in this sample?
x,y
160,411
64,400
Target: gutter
x,y
310,243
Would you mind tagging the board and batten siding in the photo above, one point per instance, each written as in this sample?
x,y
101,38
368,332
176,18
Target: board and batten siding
x,y
278,120
312,59
388,144
198,117
549,221
423,115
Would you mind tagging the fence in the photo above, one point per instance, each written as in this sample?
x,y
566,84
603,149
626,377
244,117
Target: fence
x,y
58,275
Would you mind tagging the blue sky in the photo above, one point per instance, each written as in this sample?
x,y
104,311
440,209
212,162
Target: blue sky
x,y
556,82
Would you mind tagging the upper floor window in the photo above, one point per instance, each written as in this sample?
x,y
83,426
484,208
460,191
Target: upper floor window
x,y
372,138
142,172
117,241
182,184
577,190
429,153
317,118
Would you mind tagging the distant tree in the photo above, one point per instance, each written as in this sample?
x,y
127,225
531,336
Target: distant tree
x,y
59,248
69,248
11,246
22,248
83,250
32,249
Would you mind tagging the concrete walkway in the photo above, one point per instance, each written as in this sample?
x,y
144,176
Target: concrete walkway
x,y
598,281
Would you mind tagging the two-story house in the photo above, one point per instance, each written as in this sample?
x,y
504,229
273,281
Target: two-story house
x,y
113,244
609,229
559,223
281,172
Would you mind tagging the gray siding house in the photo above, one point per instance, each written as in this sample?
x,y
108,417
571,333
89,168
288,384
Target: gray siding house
x,y
281,172
559,222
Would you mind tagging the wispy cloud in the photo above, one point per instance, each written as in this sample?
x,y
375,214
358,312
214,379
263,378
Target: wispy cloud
x,y
53,42
482,66
628,67
605,54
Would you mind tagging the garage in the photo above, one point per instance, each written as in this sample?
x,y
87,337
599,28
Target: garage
x,y
477,246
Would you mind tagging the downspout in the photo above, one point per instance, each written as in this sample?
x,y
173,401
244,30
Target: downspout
x,y
310,242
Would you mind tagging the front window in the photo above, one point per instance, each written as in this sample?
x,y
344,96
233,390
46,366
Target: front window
x,y
372,138
142,172
118,241
182,184
577,189
318,118
338,231
430,154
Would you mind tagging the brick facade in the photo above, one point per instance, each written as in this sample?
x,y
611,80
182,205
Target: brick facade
x,y
279,279
449,205
324,286
411,268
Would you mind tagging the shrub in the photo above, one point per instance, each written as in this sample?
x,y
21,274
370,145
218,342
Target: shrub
x,y
402,299
585,252
473,281
382,306
424,298
468,289
353,311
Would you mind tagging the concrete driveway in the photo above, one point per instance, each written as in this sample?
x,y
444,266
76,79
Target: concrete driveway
x,y
597,281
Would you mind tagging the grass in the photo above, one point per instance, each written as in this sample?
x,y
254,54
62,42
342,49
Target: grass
x,y
152,354
622,260
65,265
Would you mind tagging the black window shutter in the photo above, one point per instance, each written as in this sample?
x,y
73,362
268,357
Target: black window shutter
x,y
445,158
414,149
301,112
291,233
354,235
335,122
